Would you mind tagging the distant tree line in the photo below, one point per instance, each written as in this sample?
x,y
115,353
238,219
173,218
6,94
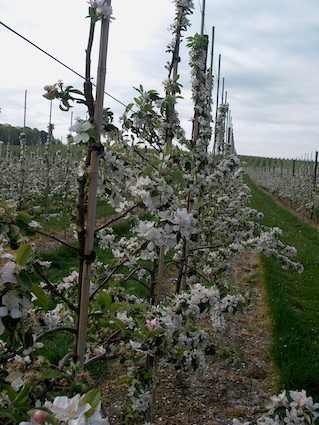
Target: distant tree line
x,y
10,134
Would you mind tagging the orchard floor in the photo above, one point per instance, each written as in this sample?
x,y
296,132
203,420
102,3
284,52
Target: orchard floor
x,y
237,383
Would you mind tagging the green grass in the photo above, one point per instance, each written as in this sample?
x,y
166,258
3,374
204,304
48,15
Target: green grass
x,y
293,298
103,210
76,150
63,261
56,346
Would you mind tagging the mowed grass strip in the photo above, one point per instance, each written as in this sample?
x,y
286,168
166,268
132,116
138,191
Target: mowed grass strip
x,y
293,298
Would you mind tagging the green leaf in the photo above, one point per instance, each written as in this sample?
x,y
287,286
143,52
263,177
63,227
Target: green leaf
x,y
12,394
155,161
159,341
23,254
13,231
76,91
28,339
24,217
129,107
10,414
148,171
157,331
51,374
147,376
23,395
105,299
123,379
168,149
120,324
25,279
198,205
93,398
41,295
188,166
29,231
177,177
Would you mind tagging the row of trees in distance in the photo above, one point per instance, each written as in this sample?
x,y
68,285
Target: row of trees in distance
x,y
11,135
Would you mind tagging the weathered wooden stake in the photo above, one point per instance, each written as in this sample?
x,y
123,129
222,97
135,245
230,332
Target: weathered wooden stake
x,y
92,194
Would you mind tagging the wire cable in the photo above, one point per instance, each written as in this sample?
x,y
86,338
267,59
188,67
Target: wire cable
x,y
30,109
57,60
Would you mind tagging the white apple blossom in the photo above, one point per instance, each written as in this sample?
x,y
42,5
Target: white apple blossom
x,y
127,320
69,281
117,253
102,9
57,316
183,222
80,127
136,345
293,407
142,402
71,411
13,305
148,231
7,273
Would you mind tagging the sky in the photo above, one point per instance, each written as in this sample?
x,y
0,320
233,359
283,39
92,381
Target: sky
x,y
269,65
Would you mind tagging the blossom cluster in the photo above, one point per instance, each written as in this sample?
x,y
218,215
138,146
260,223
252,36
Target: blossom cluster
x,y
70,411
289,407
102,9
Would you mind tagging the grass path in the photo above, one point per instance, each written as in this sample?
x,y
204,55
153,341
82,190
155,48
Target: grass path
x,y
293,298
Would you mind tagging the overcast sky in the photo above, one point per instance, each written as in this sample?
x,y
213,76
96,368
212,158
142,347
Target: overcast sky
x,y
269,62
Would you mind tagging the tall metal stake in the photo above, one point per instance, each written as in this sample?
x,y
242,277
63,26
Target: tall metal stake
x,y
212,58
92,195
203,18
25,110
217,100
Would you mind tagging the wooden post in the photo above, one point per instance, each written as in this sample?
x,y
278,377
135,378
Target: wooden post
x,y
92,195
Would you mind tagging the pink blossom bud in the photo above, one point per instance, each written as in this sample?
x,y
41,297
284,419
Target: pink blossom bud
x,y
152,324
39,416
63,381
48,88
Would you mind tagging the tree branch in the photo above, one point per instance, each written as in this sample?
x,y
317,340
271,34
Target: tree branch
x,y
54,290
